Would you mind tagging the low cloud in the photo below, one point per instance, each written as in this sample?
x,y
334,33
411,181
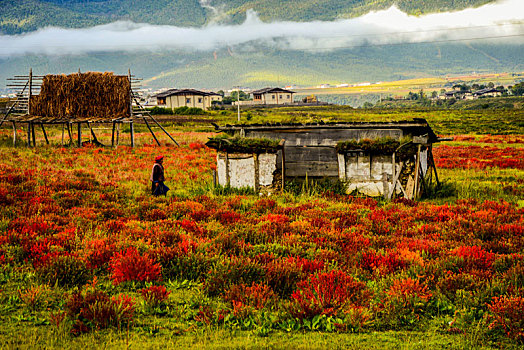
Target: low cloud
x,y
391,26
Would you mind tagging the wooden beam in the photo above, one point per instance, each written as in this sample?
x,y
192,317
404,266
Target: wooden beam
x,y
150,130
33,134
95,139
113,135
14,134
282,143
30,90
257,172
70,133
227,170
29,134
417,171
79,134
45,134
132,131
164,130
433,164
117,133
395,180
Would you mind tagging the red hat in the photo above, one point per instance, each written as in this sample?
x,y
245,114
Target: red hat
x,y
157,158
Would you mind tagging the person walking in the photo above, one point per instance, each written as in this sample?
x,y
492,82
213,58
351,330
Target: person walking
x,y
157,178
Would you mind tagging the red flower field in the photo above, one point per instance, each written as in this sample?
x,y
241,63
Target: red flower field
x,y
81,223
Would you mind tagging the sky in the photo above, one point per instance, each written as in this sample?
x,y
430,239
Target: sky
x,y
503,20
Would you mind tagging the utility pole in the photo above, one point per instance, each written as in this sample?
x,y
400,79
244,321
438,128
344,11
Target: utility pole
x,y
238,103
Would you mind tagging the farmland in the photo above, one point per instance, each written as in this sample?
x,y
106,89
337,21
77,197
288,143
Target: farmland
x,y
89,258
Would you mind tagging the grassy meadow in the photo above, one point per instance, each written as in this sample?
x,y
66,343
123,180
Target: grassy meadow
x,y
89,259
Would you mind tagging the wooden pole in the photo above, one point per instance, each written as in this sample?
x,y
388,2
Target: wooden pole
x,y
14,134
33,134
79,135
117,133
282,143
165,131
257,172
30,90
132,131
29,134
227,170
45,134
152,133
70,133
113,135
417,170
95,139
63,131
433,164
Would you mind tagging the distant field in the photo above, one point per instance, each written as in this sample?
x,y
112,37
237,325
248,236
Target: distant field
x,y
402,87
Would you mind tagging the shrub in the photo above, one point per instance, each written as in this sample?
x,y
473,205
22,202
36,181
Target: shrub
x,y
234,271
94,309
282,276
507,313
327,294
405,302
129,265
160,110
257,295
155,295
64,270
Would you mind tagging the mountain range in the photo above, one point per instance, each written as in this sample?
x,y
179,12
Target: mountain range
x,y
259,63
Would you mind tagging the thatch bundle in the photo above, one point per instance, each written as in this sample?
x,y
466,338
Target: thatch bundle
x,y
80,96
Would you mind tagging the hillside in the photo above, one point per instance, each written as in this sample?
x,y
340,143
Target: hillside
x,y
265,67
18,16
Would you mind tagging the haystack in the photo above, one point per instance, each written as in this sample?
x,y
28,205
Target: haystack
x,y
83,96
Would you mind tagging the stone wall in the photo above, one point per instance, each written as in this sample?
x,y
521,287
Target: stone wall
x,y
246,170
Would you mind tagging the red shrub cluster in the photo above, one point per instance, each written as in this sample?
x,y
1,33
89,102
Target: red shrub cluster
x,y
94,309
507,313
129,265
326,294
382,264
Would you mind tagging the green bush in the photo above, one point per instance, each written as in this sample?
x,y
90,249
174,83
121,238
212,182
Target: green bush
x,y
161,111
184,110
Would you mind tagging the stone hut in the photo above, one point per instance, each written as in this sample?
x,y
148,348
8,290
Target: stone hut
x,y
373,158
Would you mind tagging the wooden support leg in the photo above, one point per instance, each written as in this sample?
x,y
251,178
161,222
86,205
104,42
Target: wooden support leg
x,y
63,131
45,134
165,131
417,168
433,165
257,173
14,134
79,135
117,134
282,143
151,130
33,134
113,135
70,133
132,131
29,134
95,139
